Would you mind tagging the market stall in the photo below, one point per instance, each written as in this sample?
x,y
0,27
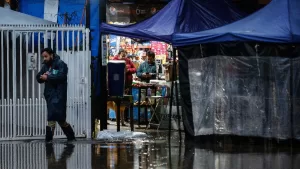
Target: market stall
x,y
161,27
243,77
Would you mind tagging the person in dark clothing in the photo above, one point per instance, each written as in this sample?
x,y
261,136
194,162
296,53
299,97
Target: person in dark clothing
x,y
54,74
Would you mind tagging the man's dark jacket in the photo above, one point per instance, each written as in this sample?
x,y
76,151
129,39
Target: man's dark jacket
x,y
55,91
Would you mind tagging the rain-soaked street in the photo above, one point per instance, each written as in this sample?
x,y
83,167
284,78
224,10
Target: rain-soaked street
x,y
142,154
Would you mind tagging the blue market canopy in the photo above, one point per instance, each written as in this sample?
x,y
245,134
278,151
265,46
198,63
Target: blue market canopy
x,y
278,22
179,16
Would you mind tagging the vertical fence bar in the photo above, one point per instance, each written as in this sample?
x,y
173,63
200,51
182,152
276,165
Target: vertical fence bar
x,y
4,155
45,46
36,118
17,159
40,116
19,117
8,67
21,66
81,95
30,117
2,118
5,119
20,112
62,40
10,120
2,85
84,49
7,87
39,86
24,106
46,39
43,112
20,133
27,155
56,43
88,87
68,59
33,123
80,75
32,71
27,115
39,59
2,66
14,157
14,58
83,86
51,39
63,52
74,73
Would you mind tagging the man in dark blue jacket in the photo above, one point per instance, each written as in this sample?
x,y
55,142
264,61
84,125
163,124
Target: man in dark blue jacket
x,y
54,74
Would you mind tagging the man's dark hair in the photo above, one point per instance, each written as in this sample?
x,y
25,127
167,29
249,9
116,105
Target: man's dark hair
x,y
48,50
151,54
121,50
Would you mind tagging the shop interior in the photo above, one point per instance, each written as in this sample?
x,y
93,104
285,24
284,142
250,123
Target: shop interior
x,y
150,98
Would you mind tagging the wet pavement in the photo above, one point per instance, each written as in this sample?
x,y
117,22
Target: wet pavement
x,y
156,153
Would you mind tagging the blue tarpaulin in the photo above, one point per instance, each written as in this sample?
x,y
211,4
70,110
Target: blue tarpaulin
x,y
278,22
179,16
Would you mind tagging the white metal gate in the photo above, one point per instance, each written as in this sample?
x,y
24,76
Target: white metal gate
x,y
23,110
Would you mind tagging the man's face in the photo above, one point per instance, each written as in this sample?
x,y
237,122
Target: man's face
x,y
150,59
122,55
47,57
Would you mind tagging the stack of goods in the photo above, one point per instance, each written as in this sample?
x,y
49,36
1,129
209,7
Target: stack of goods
x,y
146,89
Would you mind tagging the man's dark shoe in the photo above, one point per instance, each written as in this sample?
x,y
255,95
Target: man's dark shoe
x,y
49,134
68,131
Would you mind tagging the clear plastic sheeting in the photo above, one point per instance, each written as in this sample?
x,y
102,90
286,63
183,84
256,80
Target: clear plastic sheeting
x,y
120,136
245,96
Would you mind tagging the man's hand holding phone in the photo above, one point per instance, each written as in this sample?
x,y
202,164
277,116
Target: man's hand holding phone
x,y
44,76
146,75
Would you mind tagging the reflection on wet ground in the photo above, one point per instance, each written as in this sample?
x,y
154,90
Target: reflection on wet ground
x,y
156,153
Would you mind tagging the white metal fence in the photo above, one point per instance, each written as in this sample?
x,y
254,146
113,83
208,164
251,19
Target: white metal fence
x,y
34,156
23,110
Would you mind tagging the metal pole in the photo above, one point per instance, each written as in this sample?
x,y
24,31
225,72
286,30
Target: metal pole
x,y
171,97
88,25
102,70
176,92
